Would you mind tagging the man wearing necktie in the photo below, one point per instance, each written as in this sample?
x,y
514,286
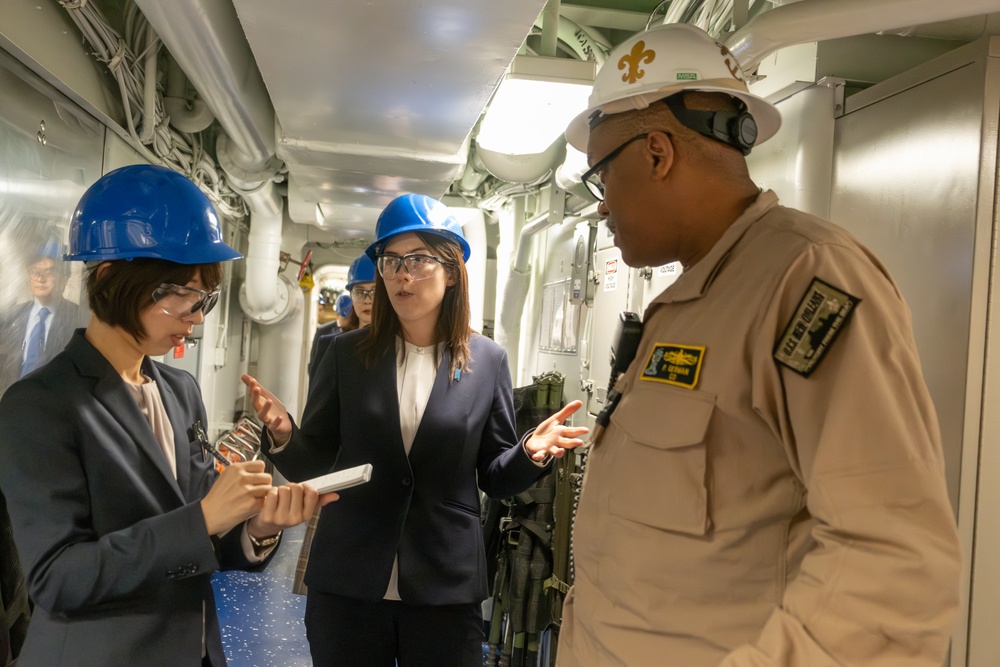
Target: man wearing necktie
x,y
36,343
33,332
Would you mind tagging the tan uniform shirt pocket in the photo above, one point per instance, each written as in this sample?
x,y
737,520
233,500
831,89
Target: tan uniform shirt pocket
x,y
659,464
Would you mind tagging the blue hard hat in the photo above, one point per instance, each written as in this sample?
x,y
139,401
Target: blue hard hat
x,y
416,213
362,270
51,249
344,305
146,211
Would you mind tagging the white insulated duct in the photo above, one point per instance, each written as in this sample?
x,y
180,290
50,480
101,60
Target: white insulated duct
x,y
818,20
263,255
206,39
515,291
523,252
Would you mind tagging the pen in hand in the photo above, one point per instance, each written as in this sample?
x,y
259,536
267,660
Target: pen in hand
x,y
198,432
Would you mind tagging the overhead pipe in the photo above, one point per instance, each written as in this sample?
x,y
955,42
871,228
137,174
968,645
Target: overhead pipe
x,y
149,87
818,20
264,250
584,42
187,116
206,39
550,28
474,229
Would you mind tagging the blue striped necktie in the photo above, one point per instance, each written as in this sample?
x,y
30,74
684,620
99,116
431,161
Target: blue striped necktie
x,y
36,343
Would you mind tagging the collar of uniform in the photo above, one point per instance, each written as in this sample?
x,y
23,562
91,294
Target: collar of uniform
x,y
694,282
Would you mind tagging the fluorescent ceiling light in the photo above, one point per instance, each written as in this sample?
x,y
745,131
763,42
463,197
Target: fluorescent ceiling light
x,y
534,104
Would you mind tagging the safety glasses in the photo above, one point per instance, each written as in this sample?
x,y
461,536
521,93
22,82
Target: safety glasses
x,y
420,267
592,177
358,294
182,302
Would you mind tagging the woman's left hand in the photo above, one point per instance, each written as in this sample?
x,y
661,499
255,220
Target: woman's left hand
x,y
552,438
286,506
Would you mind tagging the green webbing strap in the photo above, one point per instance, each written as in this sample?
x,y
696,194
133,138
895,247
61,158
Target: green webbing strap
x,y
554,582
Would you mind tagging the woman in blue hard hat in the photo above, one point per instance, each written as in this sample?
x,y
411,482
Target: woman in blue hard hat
x,y
358,302
118,514
343,309
361,287
361,293
397,571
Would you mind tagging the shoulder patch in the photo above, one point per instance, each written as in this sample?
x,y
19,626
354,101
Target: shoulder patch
x,y
674,364
819,317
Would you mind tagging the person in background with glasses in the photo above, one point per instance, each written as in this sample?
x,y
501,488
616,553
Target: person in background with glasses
x,y
361,287
397,570
33,332
29,338
341,308
118,513
360,294
358,299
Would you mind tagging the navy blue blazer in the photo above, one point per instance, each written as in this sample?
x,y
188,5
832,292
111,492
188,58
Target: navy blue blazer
x,y
424,507
321,340
115,550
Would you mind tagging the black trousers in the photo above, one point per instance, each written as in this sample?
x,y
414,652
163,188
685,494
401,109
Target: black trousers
x,y
344,632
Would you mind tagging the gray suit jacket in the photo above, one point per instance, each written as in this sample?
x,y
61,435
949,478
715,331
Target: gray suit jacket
x,y
115,550
13,328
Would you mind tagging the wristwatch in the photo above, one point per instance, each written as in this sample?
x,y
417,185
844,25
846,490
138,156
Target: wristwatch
x,y
263,542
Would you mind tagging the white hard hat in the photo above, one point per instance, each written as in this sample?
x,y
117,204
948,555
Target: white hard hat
x,y
659,62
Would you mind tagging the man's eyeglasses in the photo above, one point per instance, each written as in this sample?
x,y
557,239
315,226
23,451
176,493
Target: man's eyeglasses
x,y
42,274
182,302
420,267
358,294
592,177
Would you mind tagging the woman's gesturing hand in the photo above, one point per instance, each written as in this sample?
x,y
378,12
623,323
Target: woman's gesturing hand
x,y
552,438
270,411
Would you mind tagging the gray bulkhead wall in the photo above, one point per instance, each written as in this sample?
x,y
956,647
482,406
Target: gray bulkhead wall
x,y
913,176
912,172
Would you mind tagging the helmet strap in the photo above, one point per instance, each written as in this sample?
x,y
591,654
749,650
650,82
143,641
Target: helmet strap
x,y
735,128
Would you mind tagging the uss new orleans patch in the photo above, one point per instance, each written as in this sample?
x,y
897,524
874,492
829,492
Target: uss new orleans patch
x,y
820,316
674,364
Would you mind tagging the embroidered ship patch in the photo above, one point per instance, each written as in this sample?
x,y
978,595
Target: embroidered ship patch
x,y
674,364
819,318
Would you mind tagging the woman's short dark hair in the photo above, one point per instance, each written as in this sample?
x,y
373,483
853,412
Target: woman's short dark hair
x,y
119,290
453,325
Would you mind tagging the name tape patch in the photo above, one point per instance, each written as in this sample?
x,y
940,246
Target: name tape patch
x,y
674,364
819,318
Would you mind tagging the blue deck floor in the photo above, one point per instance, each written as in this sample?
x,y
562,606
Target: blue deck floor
x,y
261,618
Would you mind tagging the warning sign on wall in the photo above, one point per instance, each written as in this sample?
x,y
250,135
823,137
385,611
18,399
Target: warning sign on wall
x,y
611,275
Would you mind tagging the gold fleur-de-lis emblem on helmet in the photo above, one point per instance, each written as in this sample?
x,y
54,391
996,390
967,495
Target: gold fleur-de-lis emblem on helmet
x,y
638,55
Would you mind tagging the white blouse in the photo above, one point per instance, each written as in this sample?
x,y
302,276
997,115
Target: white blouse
x,y
415,373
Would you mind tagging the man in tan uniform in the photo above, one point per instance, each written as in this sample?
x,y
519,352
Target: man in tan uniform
x,y
770,490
